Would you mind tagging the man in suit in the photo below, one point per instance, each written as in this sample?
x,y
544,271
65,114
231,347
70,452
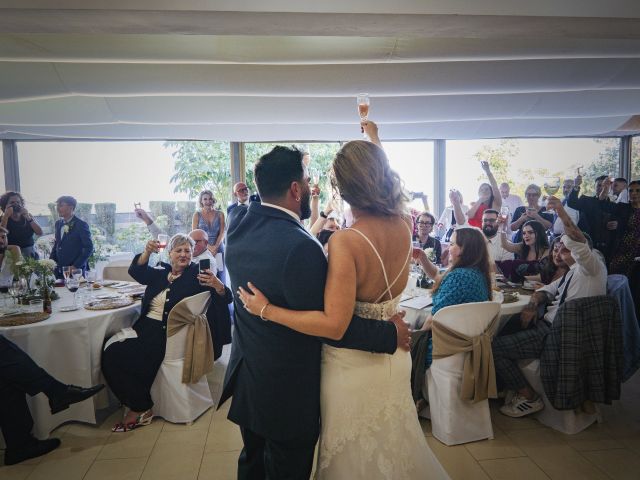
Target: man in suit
x,y
20,375
241,193
274,372
73,245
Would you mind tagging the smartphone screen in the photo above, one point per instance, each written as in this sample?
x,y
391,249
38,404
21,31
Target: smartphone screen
x,y
204,264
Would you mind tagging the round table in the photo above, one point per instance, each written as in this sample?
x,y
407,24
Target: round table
x,y
416,317
68,345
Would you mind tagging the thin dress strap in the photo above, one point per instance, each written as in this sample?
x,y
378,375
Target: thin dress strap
x,y
384,270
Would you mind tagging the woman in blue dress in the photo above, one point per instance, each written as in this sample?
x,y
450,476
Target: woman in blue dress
x,y
211,221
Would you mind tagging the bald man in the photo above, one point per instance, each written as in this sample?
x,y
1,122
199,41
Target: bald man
x,y
200,251
241,193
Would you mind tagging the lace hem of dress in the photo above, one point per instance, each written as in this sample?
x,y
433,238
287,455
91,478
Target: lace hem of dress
x,y
380,429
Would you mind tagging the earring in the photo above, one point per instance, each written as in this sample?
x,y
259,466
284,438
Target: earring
x,y
297,199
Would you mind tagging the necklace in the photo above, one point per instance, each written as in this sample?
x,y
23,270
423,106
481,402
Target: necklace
x,y
172,276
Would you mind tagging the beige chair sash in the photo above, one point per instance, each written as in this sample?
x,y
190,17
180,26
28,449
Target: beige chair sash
x,y
479,374
198,353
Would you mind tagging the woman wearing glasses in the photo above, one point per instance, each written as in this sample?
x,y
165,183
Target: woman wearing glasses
x,y
425,223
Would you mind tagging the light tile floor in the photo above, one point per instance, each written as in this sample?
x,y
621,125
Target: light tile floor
x,y
522,449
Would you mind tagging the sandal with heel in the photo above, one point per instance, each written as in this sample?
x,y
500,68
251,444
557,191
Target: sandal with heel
x,y
141,420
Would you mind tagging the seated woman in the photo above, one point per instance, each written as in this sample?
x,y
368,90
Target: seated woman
x,y
529,252
553,266
488,197
425,223
20,223
467,280
9,255
130,366
532,211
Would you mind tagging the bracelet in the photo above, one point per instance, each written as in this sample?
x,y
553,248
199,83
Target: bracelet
x,y
262,311
323,215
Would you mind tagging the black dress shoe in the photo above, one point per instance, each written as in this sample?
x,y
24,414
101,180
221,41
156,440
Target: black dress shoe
x,y
71,395
33,449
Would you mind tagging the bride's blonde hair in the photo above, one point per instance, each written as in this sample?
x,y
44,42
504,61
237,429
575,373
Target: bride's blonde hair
x,y
363,177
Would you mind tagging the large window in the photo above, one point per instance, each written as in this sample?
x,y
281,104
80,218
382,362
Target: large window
x,y
107,178
635,158
523,161
414,163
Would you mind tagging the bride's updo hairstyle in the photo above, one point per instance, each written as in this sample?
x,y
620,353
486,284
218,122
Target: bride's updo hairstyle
x,y
363,177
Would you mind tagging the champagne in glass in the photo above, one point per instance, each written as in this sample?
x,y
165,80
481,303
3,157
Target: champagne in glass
x,y
363,108
163,239
504,214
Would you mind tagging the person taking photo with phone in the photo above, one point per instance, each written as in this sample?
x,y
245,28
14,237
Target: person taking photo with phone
x,y
20,223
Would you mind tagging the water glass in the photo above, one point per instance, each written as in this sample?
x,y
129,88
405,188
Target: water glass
x,y
35,306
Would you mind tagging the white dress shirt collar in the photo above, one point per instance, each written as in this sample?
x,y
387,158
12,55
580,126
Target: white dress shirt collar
x,y
286,210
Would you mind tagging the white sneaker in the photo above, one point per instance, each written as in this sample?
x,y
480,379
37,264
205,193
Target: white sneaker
x,y
521,406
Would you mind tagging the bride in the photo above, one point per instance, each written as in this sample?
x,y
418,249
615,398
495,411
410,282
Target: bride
x,y
369,424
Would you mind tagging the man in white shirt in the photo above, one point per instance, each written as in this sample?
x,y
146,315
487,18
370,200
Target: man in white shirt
x,y
619,190
490,230
587,276
558,227
511,201
200,251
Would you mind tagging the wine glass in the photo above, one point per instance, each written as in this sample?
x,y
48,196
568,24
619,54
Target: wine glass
x,y
363,108
66,272
18,288
504,214
72,283
552,185
162,244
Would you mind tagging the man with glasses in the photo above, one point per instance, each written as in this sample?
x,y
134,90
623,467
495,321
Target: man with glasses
x,y
490,229
200,251
241,192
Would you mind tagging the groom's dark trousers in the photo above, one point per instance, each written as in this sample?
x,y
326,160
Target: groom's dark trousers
x,y
274,372
19,375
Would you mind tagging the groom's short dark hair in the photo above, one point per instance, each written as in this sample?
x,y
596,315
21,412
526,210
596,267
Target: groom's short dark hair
x,y
275,171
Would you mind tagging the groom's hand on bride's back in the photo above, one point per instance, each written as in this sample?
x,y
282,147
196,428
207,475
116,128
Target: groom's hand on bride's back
x,y
403,331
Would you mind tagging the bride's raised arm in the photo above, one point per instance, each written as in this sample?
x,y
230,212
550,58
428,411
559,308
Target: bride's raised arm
x,y
339,298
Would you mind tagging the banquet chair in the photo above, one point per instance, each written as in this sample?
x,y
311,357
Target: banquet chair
x,y
618,288
581,363
453,420
118,269
173,400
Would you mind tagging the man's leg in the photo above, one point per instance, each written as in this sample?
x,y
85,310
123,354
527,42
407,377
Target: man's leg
x,y
251,460
15,419
18,369
507,350
288,460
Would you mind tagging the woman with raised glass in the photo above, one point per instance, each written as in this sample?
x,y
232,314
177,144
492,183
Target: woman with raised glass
x,y
130,366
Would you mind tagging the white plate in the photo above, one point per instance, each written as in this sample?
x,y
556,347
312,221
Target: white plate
x,y
68,308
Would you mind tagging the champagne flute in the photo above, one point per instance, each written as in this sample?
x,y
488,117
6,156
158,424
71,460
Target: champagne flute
x,y
162,244
363,109
504,214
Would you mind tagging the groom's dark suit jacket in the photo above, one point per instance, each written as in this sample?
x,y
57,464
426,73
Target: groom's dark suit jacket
x,y
74,247
274,372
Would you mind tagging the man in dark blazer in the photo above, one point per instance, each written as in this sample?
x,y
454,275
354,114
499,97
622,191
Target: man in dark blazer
x,y
73,245
274,372
241,194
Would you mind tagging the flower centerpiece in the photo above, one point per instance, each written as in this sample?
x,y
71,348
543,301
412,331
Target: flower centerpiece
x,y
38,274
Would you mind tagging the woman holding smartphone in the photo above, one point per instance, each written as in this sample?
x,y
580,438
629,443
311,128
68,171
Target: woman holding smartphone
x,y
130,366
20,223
531,211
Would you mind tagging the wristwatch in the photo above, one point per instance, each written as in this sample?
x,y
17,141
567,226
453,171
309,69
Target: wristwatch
x,y
322,214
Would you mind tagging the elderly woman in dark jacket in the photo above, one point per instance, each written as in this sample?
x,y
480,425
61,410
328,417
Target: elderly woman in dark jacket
x,y
130,366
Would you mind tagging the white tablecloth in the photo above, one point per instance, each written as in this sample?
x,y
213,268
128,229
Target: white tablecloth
x,y
68,345
416,317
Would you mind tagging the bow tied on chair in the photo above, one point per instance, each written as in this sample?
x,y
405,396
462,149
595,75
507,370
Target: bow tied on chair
x,y
198,354
479,374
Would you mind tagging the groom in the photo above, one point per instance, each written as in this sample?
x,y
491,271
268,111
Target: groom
x,y
274,372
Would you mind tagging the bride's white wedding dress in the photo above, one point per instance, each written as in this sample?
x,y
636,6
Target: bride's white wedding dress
x,y
370,429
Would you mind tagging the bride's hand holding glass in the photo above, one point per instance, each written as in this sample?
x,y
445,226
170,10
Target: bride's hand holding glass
x,y
253,300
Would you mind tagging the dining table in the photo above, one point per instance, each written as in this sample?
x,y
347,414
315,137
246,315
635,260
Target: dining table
x,y
68,345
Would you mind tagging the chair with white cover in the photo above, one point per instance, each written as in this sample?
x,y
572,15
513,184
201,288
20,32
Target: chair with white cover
x,y
118,269
454,420
173,400
565,421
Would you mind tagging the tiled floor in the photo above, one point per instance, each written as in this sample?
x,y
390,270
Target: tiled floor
x,y
522,449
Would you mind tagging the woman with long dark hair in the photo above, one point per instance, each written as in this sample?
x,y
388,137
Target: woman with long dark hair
x,y
534,245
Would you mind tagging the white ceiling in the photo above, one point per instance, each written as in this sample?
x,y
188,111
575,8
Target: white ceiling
x,y
290,70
